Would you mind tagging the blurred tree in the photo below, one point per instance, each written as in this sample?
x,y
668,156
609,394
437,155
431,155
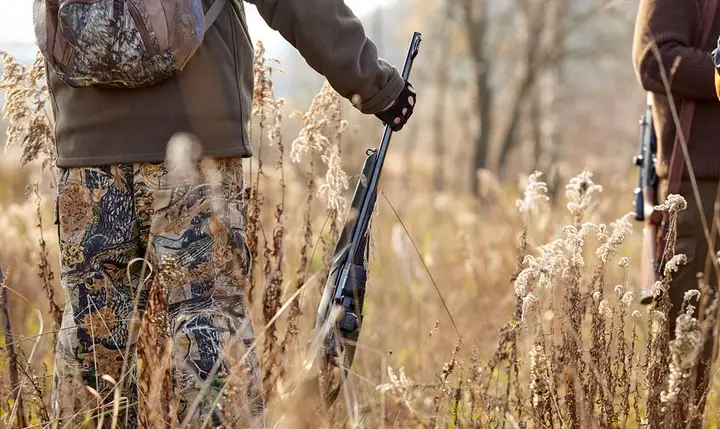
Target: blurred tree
x,y
442,83
473,15
504,86
514,47
550,87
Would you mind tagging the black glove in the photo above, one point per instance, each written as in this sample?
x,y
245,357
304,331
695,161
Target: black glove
x,y
397,115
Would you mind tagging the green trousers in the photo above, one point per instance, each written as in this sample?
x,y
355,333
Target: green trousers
x,y
692,242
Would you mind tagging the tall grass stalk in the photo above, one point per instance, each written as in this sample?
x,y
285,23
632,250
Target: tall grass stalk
x,y
542,296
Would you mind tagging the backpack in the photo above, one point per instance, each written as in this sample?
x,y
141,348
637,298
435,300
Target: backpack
x,y
120,43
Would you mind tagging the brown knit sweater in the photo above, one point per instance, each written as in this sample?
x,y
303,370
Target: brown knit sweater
x,y
675,26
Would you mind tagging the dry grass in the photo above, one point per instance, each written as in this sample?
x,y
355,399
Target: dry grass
x,y
515,314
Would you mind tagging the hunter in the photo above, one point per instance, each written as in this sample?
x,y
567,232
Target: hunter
x,y
676,38
117,101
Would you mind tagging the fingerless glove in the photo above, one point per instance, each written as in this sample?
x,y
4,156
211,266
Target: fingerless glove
x,y
397,115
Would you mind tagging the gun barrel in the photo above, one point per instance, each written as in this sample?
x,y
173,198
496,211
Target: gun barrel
x,y
365,212
345,286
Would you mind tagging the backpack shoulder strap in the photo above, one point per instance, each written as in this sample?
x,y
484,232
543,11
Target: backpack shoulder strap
x,y
687,107
217,7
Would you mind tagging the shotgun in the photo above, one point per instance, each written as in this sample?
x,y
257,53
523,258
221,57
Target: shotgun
x,y
645,201
340,316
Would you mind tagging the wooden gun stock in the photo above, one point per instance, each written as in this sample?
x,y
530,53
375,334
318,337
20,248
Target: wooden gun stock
x,y
648,263
646,202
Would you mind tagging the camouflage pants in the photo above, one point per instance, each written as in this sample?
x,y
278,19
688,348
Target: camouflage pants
x,y
119,228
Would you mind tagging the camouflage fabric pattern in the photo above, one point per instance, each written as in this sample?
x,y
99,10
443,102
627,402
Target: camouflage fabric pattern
x,y
118,44
126,227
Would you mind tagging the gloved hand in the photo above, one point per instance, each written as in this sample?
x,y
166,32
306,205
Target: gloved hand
x,y
397,114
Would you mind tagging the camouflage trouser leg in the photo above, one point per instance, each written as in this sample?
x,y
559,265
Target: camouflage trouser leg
x,y
109,217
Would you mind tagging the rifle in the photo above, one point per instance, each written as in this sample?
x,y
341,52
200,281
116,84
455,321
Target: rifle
x,y
646,200
339,317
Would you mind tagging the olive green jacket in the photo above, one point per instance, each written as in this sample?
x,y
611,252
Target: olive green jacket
x,y
212,96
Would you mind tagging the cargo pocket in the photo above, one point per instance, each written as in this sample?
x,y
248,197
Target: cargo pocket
x,y
56,221
242,250
61,184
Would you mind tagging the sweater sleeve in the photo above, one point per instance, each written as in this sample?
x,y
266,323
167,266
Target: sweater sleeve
x,y
332,41
672,26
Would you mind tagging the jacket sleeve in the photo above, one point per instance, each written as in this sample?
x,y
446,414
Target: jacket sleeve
x,y
672,26
332,41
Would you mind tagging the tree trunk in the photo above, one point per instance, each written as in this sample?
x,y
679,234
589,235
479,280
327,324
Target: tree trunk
x,y
535,116
465,136
482,142
531,67
441,86
409,148
476,26
550,95
509,138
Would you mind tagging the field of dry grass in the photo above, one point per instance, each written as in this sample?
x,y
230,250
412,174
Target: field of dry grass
x,y
515,312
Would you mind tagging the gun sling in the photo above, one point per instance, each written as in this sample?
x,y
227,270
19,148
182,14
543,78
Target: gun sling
x,y
687,110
